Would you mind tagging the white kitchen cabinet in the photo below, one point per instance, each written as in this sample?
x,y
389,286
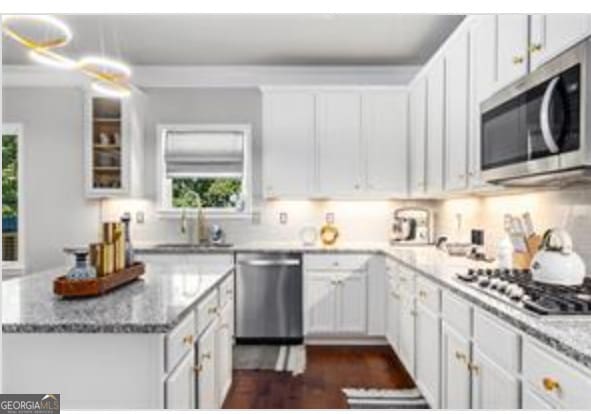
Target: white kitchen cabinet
x,y
417,136
289,134
393,320
352,303
435,127
385,142
455,375
206,375
406,348
428,354
338,143
457,109
224,346
113,146
321,303
493,388
180,385
512,47
554,33
483,79
533,401
336,302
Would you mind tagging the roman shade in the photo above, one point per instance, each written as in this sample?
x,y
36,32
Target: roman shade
x,y
204,154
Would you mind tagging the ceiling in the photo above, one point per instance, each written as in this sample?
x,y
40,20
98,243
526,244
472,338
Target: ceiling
x,y
254,39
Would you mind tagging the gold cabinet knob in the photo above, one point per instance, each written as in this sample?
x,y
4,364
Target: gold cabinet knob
x,y
198,368
460,356
422,294
518,60
206,355
473,368
550,384
535,47
213,309
189,339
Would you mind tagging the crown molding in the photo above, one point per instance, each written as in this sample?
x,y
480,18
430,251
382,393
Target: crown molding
x,y
221,76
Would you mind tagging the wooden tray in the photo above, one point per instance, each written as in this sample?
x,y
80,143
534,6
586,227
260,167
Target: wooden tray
x,y
65,287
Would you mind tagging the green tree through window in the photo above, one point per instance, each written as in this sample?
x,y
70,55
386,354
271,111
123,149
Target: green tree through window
x,y
214,192
9,197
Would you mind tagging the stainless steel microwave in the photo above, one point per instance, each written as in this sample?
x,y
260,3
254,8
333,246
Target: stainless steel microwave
x,y
536,130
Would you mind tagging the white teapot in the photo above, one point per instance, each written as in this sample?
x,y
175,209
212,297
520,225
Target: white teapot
x,y
556,263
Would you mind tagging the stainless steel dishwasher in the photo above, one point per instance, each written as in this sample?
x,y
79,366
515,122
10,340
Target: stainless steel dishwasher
x,y
269,298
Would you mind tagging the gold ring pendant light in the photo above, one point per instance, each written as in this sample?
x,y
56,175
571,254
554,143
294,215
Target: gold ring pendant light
x,y
111,77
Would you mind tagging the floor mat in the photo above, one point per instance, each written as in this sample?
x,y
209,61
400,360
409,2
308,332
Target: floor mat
x,y
404,399
270,357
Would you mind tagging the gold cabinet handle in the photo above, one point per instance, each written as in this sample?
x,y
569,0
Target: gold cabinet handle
x,y
198,368
535,47
189,339
422,294
473,368
518,60
460,356
206,355
212,310
550,384
413,313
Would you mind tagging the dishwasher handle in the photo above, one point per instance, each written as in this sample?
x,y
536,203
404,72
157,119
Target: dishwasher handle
x,y
270,262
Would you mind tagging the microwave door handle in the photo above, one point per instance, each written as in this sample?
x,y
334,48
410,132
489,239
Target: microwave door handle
x,y
545,117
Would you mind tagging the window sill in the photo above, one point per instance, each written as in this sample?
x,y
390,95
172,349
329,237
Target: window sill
x,y
208,214
12,269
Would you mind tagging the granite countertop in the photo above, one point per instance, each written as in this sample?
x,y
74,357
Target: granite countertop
x,y
571,336
153,304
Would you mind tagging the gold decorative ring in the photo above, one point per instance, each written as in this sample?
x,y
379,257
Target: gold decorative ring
x,y
64,37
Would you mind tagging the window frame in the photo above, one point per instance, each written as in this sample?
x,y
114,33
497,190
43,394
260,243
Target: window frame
x,y
15,268
164,187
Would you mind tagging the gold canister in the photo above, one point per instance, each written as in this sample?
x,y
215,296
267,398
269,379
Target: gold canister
x,y
97,258
109,232
119,242
108,258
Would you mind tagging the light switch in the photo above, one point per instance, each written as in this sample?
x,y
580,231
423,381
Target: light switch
x,y
283,217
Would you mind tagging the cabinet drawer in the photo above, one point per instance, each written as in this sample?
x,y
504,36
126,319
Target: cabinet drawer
x,y
428,294
336,261
180,341
497,341
457,314
227,291
554,379
206,311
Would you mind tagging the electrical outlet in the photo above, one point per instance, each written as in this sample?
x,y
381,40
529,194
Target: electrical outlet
x,y
329,218
283,217
140,217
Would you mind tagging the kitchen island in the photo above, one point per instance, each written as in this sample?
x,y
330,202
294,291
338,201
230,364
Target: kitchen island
x,y
136,347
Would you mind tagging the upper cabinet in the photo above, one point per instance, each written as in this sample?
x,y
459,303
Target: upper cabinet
x,y
512,47
339,141
288,143
457,79
553,33
385,134
113,146
342,143
435,127
417,137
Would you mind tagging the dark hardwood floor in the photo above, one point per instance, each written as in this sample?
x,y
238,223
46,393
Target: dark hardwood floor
x,y
328,369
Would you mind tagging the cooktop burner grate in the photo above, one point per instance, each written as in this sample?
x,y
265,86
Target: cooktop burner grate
x,y
518,287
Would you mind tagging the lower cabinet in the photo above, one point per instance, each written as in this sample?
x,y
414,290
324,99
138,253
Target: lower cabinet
x,y
492,387
206,369
224,345
406,348
393,317
180,385
427,361
336,302
455,375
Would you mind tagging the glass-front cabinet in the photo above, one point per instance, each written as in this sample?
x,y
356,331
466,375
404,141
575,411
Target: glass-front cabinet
x,y
113,159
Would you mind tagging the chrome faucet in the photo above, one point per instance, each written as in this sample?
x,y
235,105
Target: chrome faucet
x,y
200,229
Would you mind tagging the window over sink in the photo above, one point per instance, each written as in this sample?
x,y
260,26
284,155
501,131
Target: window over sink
x,y
207,166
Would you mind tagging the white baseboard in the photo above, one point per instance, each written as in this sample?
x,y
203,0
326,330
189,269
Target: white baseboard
x,y
346,340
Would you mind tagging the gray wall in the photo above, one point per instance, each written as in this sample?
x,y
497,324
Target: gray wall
x,y
201,106
57,214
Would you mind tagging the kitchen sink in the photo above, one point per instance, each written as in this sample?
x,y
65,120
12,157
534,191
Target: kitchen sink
x,y
194,246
